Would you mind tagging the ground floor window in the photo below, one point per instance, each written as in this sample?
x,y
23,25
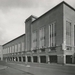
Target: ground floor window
x,y
13,58
29,59
10,58
35,59
43,59
53,58
69,59
23,59
16,59
19,58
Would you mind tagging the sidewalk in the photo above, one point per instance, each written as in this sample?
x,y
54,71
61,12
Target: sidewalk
x,y
70,64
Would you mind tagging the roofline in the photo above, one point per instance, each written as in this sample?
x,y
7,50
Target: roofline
x,y
63,2
14,39
30,18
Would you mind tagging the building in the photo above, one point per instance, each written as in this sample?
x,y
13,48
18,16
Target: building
x,y
1,55
48,38
15,49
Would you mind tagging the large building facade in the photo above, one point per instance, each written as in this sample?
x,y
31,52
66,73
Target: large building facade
x,y
47,39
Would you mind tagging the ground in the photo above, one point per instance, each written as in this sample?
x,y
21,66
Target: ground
x,y
4,70
37,69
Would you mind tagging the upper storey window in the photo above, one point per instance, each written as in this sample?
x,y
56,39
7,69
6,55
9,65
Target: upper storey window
x,y
22,46
52,35
34,40
41,37
68,33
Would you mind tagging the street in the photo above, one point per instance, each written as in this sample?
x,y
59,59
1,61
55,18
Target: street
x,y
11,71
37,69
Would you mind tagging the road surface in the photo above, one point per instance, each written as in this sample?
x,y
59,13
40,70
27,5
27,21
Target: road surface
x,y
45,69
19,68
4,70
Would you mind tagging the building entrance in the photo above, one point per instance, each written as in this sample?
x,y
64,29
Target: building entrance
x,y
35,59
23,59
29,59
69,59
53,58
43,59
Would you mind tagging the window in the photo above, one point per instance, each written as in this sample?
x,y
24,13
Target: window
x,y
12,49
8,50
41,38
52,35
22,46
68,33
34,40
4,51
19,47
15,48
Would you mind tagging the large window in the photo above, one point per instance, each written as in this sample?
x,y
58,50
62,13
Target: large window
x,y
41,37
15,48
52,35
19,46
8,50
68,33
22,46
34,40
12,49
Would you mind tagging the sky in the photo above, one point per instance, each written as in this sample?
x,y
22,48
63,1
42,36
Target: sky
x,y
13,14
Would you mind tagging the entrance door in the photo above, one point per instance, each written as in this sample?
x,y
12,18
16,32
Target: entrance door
x,y
29,59
53,58
35,59
68,59
43,59
23,59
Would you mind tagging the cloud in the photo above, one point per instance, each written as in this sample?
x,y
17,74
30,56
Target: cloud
x,y
12,22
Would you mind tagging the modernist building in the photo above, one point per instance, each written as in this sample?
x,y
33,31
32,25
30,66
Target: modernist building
x,y
15,49
49,38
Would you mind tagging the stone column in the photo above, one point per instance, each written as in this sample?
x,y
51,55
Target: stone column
x,y
38,59
73,59
18,59
64,59
32,59
26,59
47,59
22,58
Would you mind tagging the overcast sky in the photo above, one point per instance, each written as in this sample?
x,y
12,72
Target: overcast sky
x,y
14,12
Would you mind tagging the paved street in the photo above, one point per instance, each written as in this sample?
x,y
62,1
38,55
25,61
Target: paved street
x,y
4,70
37,69
45,69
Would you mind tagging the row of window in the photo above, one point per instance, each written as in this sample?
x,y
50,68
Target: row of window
x,y
15,48
52,35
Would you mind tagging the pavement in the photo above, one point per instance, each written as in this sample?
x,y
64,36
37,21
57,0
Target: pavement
x,y
2,67
43,69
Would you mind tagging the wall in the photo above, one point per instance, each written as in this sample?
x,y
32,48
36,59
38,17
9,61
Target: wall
x,y
69,15
54,15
